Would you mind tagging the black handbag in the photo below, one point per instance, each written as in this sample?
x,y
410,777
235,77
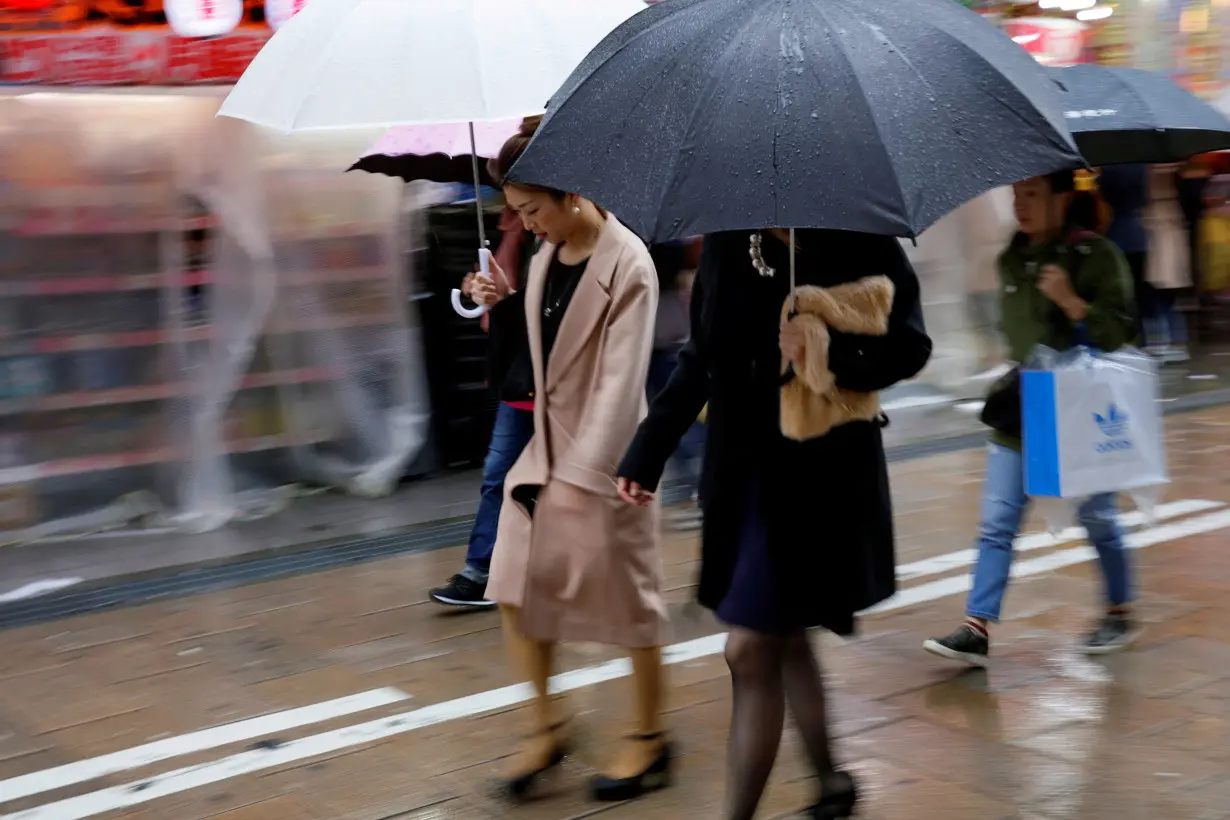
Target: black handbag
x,y
1002,409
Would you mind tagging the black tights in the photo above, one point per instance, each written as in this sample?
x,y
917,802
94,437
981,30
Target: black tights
x,y
767,672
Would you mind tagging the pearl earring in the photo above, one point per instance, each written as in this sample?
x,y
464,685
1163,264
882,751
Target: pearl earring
x,y
576,209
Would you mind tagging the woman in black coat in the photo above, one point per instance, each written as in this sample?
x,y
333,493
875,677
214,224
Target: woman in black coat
x,y
796,534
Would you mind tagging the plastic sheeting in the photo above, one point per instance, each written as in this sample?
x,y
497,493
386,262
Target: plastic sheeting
x,y
955,261
197,318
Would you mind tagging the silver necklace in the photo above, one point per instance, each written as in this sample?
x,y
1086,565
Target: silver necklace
x,y
551,308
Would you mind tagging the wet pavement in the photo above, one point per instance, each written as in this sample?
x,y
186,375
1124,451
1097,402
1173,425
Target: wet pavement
x,y
344,695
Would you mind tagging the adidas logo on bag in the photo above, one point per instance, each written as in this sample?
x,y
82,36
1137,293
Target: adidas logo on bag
x,y
1114,427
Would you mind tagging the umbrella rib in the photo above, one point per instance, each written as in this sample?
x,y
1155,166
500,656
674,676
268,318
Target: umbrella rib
x,y
318,69
875,123
1052,135
482,73
706,94
556,101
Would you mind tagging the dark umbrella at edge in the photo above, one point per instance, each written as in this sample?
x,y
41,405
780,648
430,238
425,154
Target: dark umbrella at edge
x,y
1167,123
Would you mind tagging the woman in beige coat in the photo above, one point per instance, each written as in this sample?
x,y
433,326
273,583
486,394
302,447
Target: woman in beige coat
x,y
1169,265
572,562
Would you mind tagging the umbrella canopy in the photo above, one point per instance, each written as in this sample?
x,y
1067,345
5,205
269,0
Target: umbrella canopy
x,y
439,153
869,115
362,63
1121,115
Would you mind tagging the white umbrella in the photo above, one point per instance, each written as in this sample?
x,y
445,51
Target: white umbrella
x,y
355,63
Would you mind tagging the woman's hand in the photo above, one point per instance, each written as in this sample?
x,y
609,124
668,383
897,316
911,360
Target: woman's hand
x,y
793,343
485,291
633,493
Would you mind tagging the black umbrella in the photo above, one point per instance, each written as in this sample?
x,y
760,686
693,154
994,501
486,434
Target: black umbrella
x,y
1121,115
432,167
697,116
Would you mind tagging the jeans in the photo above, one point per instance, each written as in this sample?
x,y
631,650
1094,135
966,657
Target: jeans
x,y
1164,325
1003,507
512,431
688,455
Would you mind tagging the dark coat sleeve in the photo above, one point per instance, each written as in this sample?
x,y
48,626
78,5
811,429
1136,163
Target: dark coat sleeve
x,y
508,355
867,364
677,406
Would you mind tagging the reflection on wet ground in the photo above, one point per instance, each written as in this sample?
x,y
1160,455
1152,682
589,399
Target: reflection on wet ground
x,y
343,695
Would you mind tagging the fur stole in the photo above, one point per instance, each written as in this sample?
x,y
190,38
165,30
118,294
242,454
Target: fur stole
x,y
811,403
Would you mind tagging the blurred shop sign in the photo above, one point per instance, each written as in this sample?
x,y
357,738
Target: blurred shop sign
x,y
203,18
42,15
57,15
277,12
105,55
1053,41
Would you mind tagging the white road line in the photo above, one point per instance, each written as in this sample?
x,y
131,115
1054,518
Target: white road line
x,y
203,740
42,587
1035,541
956,585
244,763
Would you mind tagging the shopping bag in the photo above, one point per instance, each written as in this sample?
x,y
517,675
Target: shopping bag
x,y
1091,423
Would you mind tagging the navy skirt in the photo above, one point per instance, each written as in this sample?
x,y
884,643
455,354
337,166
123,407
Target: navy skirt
x,y
751,602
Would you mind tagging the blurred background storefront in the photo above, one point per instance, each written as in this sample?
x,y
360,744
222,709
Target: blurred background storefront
x,y
198,319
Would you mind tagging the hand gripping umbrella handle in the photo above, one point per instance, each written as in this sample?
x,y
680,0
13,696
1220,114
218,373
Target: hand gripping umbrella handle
x,y
484,269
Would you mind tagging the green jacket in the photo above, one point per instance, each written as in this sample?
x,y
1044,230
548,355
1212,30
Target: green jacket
x,y
1100,276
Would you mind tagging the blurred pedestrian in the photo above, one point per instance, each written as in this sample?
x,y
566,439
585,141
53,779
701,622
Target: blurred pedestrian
x,y
1169,268
985,225
573,562
1125,188
512,376
1215,239
796,534
1192,180
1058,283
671,330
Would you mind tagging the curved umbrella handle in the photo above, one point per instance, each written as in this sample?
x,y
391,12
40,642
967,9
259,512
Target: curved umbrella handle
x,y
484,269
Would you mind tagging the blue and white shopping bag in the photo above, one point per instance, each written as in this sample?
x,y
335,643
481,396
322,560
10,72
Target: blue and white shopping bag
x,y
1092,423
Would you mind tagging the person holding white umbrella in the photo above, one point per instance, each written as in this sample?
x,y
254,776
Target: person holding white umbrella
x,y
366,63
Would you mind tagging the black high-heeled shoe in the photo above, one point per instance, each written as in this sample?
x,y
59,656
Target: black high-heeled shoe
x,y
657,776
522,785
838,797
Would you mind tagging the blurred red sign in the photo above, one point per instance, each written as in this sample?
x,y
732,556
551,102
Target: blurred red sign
x,y
1053,41
104,55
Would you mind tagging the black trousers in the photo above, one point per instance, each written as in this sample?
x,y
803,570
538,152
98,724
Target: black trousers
x,y
1141,290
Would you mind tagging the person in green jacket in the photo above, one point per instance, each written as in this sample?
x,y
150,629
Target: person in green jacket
x,y
1060,285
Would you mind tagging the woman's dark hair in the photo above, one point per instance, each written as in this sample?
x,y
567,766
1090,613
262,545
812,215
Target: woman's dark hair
x,y
1083,212
1085,208
499,165
1062,182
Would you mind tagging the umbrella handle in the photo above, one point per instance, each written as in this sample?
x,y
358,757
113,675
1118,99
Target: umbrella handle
x,y
484,269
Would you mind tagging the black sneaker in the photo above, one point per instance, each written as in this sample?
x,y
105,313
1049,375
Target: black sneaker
x,y
966,644
1115,634
463,592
